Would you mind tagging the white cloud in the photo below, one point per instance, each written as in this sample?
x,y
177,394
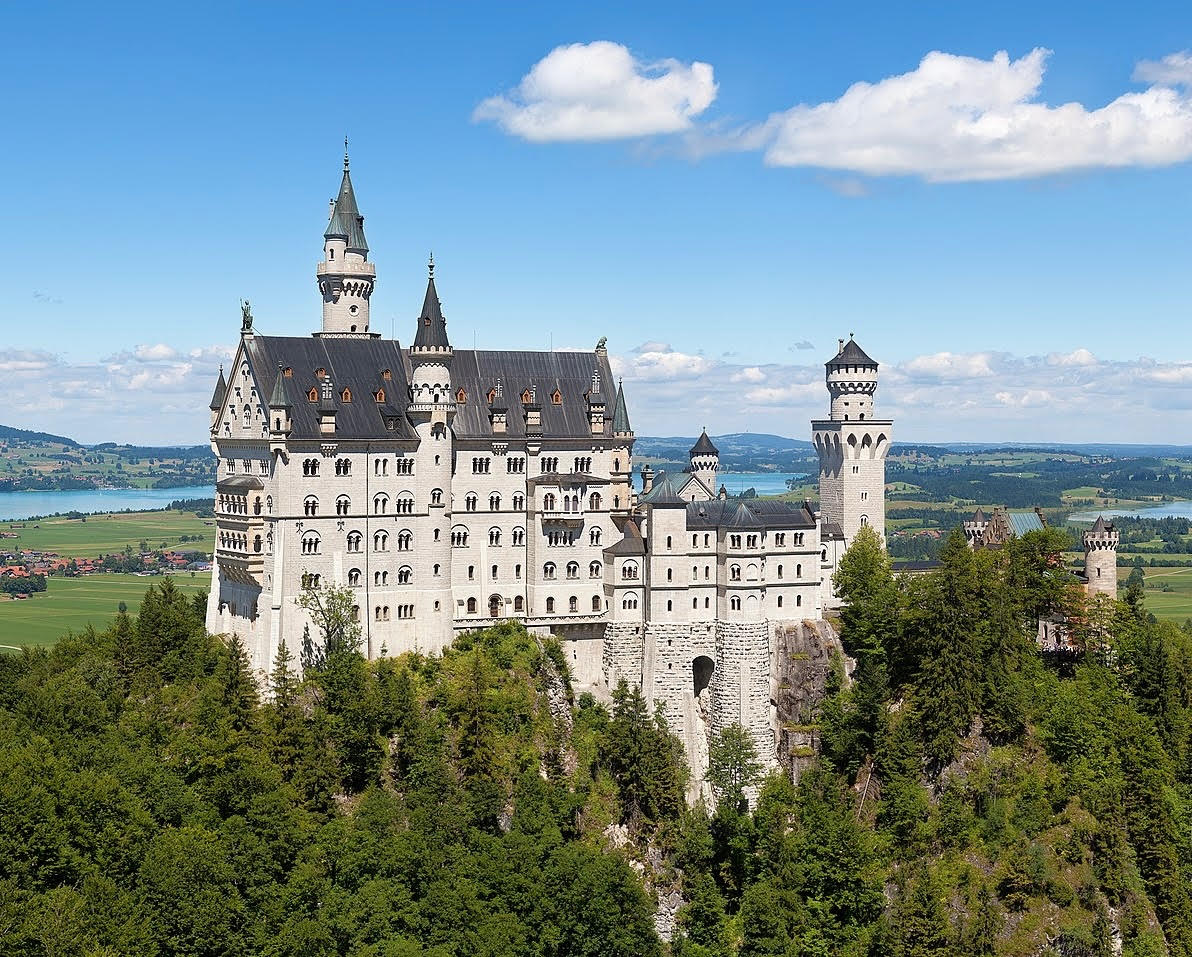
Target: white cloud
x,y
657,360
1175,69
1171,374
749,374
600,91
155,352
961,118
797,392
1078,357
949,365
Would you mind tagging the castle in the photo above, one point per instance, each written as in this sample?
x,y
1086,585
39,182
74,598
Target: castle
x,y
450,489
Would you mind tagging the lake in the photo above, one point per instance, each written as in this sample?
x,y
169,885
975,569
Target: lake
x,y
1168,510
766,483
15,506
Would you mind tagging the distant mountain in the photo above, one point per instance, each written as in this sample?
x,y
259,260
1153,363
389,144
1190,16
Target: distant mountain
x,y
739,451
23,435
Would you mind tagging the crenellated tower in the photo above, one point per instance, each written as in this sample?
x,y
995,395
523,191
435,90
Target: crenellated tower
x,y
1100,558
705,461
852,445
345,276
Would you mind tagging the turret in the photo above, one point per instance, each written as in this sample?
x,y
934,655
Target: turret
x,y
217,399
431,353
1100,558
852,380
345,276
705,461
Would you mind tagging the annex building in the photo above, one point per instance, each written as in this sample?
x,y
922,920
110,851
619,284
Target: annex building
x,y
452,488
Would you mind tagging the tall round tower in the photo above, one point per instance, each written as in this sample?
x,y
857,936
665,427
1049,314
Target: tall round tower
x,y
1100,558
852,445
705,461
345,276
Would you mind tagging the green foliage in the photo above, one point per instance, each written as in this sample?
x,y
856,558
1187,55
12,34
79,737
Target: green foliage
x,y
733,766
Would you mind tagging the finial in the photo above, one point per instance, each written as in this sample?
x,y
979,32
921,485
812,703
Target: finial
x,y
850,335
345,154
430,266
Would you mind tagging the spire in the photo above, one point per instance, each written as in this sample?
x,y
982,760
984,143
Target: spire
x,y
221,392
280,399
703,446
346,222
432,328
621,413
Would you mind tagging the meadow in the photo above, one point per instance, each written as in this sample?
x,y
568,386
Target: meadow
x,y
1176,604
71,603
105,534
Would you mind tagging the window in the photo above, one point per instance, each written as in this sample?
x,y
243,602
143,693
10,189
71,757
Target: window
x,y
380,504
515,464
494,502
405,466
573,569
734,573
734,541
670,575
594,536
354,540
459,537
404,575
519,502
556,397
379,395
518,604
550,606
668,543
798,571
629,602
310,580
404,504
405,540
798,601
471,573
670,606
779,571
354,577
310,543
594,501
381,578
780,538
470,502
381,467
548,502
494,536
519,536
346,395
436,496
707,572
435,570
310,467
405,611
517,571
735,603
629,571
471,606
381,542
864,520
864,496
343,505
494,575
779,601
694,572
573,604
548,571
313,395
310,505
594,570
343,466
461,395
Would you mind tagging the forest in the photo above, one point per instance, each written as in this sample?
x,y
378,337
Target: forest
x,y
971,796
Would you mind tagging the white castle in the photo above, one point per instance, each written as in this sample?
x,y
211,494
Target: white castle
x,y
451,489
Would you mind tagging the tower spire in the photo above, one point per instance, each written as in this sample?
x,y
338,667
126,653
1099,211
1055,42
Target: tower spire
x,y
345,276
345,154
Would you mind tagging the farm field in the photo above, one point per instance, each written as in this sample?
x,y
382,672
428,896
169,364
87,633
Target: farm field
x,y
108,533
1176,604
70,603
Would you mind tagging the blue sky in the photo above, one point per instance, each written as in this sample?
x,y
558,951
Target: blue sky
x,y
701,183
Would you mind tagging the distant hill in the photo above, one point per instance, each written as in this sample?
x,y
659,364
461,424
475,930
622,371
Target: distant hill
x,y
23,435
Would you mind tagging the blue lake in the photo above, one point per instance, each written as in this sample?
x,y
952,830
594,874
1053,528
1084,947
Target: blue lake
x,y
15,506
766,483
1168,510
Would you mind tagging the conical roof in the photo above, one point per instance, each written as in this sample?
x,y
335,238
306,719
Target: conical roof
x,y
704,446
1099,525
432,328
620,412
221,392
346,222
851,354
979,516
663,492
280,399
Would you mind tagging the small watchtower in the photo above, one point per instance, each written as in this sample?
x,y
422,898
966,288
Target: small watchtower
x,y
1100,558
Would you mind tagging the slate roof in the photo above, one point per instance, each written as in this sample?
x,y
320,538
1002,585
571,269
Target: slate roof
x,y
432,328
703,446
346,222
631,544
1100,526
663,492
851,354
477,371
621,413
221,392
762,513
280,397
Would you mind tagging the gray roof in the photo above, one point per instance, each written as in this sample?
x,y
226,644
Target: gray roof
x,y
346,222
832,531
544,373
761,513
664,492
221,392
1023,522
280,399
432,328
238,482
1101,526
621,413
704,446
851,354
631,544
979,516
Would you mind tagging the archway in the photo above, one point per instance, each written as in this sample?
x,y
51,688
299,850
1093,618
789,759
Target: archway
x,y
701,674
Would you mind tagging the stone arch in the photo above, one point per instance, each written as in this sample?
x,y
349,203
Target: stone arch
x,y
702,668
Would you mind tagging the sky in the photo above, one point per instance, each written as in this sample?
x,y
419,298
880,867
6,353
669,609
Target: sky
x,y
993,198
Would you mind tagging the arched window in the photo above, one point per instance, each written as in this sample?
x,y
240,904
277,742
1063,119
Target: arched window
x,y
779,601
346,395
734,573
864,520
343,505
404,504
310,543
470,502
798,601
735,603
670,606
381,578
519,536
670,575
436,496
381,542
629,571
594,570
594,536
405,540
668,543
573,569
548,502
548,571
313,395
519,604
459,536
494,536
798,571
629,602
256,544
519,502
594,501
471,606
380,504
550,606
573,604
596,605
405,575
354,541
494,502
354,577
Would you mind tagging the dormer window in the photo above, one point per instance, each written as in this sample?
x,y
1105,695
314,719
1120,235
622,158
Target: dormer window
x,y
288,372
346,395
492,394
320,373
461,395
386,375
527,398
380,395
313,395
556,397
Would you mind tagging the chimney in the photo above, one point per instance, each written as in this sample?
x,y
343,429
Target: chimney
x,y
647,479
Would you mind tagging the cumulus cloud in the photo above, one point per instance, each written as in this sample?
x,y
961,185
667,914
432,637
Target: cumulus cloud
x,y
749,374
1078,357
949,365
657,360
601,91
1175,69
155,352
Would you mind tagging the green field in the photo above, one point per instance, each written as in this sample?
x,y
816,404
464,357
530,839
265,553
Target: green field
x,y
107,533
70,603
1175,604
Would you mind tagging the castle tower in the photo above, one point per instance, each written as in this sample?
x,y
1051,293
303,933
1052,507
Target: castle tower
x,y
622,470
975,527
217,398
345,276
1100,558
432,410
852,446
705,461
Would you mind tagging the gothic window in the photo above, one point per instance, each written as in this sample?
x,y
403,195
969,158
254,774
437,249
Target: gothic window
x,y
346,395
629,571
379,395
556,397
573,569
548,502
343,505
313,395
526,397
381,542
550,606
354,540
594,537
310,505
310,543
354,577
594,570
380,504
461,395
494,536
405,540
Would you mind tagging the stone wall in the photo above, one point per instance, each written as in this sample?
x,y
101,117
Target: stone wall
x,y
801,655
